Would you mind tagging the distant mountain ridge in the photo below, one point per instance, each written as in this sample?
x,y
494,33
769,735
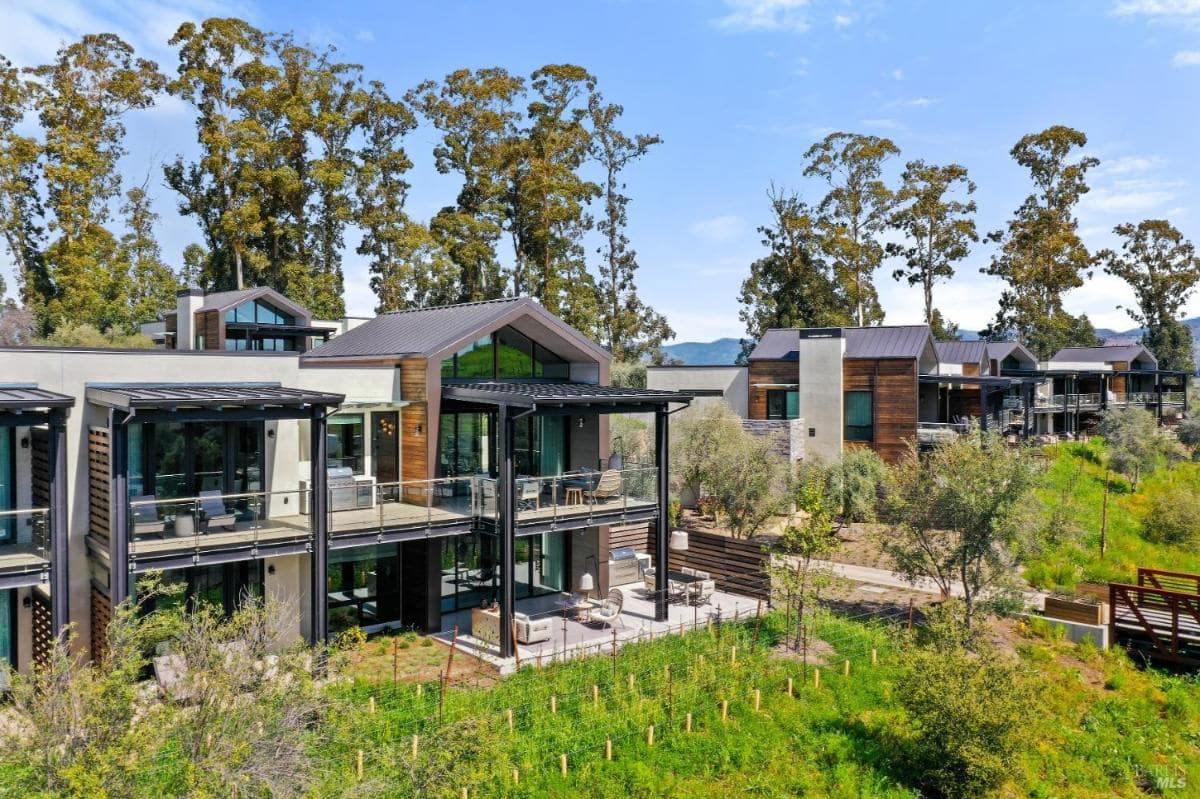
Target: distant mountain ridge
x,y
725,351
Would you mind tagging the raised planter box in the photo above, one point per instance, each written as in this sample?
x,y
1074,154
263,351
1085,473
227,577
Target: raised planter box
x,y
1074,610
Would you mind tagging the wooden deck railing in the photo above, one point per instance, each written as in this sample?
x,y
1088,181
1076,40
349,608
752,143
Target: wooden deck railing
x,y
1161,624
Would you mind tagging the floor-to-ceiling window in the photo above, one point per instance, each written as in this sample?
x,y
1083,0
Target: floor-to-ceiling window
x,y
540,564
469,571
363,588
8,627
182,459
467,445
346,443
223,587
8,480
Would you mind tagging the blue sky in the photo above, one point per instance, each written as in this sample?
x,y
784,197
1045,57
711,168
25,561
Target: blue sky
x,y
738,89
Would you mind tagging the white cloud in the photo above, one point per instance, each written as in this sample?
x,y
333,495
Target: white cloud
x,y
1130,196
896,74
842,20
789,16
719,228
886,123
1186,58
1129,164
1157,8
364,35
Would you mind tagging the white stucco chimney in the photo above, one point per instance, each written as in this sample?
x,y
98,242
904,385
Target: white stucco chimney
x,y
820,390
187,302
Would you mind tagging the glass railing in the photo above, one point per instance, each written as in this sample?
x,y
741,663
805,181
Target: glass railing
x,y
411,503
584,493
215,519
24,540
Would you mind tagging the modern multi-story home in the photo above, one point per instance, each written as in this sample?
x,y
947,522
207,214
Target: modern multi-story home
x,y
423,462
890,387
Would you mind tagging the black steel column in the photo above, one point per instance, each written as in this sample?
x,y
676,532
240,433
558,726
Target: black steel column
x,y
661,535
1158,387
984,408
505,495
1104,392
60,584
1185,393
319,513
118,534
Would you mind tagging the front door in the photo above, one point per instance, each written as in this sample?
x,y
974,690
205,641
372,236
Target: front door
x,y
385,452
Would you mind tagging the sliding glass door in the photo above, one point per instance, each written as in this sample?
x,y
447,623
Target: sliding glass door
x,y
363,588
540,564
182,459
469,571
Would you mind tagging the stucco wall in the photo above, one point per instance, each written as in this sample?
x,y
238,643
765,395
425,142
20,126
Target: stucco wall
x,y
731,381
71,371
821,399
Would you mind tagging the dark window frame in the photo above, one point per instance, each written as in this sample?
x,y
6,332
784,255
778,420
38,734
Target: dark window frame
x,y
865,433
780,395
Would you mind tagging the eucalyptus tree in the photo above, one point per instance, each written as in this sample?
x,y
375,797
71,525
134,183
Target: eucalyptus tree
x,y
81,99
626,325
1162,268
854,214
21,212
936,214
152,283
1041,256
476,115
792,285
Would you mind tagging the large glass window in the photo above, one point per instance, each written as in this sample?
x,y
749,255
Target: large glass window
x,y
176,459
506,355
469,571
345,441
8,626
260,312
783,404
540,564
363,587
8,479
860,416
224,587
465,444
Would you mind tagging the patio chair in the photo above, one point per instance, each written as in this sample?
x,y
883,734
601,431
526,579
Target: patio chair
x,y
608,487
146,520
701,591
610,609
214,513
648,581
529,494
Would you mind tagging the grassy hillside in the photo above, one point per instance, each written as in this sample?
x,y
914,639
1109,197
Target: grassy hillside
x,y
1070,513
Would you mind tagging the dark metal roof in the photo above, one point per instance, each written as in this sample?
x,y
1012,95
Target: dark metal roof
x,y
778,344
429,332
960,351
900,341
29,398
1109,354
204,395
542,396
903,341
999,350
224,300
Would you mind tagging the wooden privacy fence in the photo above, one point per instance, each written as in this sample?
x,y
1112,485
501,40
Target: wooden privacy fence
x,y
1160,624
738,566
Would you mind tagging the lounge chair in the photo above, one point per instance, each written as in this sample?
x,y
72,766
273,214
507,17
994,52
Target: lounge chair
x,y
608,486
531,630
146,520
213,512
610,609
529,493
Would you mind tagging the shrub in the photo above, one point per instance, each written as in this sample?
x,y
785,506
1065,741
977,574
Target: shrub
x,y
1172,515
862,472
970,715
1188,432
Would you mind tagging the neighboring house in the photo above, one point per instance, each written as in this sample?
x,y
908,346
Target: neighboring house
x,y
852,386
706,384
248,319
420,463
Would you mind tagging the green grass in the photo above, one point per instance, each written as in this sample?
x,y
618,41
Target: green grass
x,y
1102,726
1071,501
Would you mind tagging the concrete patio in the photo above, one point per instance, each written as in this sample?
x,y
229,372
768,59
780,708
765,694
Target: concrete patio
x,y
571,638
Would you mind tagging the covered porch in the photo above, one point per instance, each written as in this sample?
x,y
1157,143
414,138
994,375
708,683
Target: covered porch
x,y
514,505
947,404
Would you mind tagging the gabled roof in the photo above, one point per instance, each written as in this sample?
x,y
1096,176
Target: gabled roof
x,y
999,350
1118,352
224,300
439,331
961,351
554,396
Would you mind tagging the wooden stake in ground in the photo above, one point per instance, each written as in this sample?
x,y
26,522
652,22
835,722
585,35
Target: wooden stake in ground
x,y
724,709
562,764
516,776
687,723
415,739
789,686
816,678
509,714
846,669
757,699
910,614
631,680
450,657
516,646
595,695
358,765
608,748
650,735
553,704
395,659
874,658
733,655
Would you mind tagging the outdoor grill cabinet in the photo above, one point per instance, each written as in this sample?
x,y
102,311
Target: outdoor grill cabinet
x,y
347,491
624,567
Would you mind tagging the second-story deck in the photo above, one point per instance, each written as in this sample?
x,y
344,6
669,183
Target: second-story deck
x,y
166,533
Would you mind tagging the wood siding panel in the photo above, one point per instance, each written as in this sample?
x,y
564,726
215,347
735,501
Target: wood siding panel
x,y
101,617
638,536
99,471
39,456
768,372
414,421
40,633
894,383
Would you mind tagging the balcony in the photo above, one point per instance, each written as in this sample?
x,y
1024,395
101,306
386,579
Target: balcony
x,y
1056,402
169,532
24,546
934,433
